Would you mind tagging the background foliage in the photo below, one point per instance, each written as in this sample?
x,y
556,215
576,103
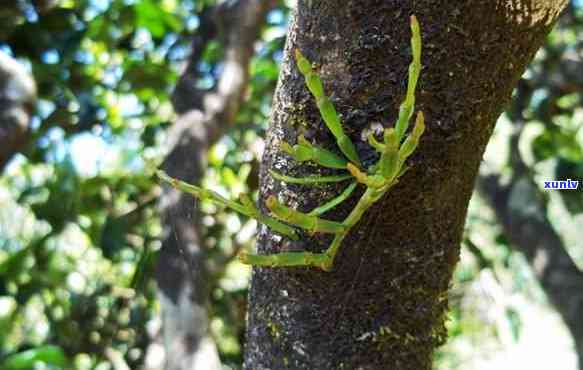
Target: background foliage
x,y
78,221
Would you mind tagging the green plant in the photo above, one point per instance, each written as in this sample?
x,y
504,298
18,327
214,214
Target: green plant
x,y
378,178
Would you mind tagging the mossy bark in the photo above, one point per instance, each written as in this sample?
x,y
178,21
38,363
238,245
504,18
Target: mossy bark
x,y
384,305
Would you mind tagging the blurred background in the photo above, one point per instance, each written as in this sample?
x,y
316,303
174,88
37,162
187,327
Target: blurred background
x,y
92,96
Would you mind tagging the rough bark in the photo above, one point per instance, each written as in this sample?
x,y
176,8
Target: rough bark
x,y
383,306
203,117
17,99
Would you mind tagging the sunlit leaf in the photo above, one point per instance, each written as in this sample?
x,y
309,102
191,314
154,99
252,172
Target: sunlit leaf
x,y
48,355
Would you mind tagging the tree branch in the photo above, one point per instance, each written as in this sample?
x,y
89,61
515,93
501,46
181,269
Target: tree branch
x,y
522,215
522,211
204,115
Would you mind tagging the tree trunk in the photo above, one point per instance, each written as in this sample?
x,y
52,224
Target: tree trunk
x,y
522,212
204,115
17,99
384,305
531,233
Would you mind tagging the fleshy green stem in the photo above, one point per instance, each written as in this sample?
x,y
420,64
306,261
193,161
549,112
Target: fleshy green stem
x,y
289,259
247,210
311,223
309,179
305,151
408,106
327,110
335,201
378,179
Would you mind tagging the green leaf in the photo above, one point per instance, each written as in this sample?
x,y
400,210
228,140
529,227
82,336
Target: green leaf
x,y
14,264
562,143
144,268
48,355
150,17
